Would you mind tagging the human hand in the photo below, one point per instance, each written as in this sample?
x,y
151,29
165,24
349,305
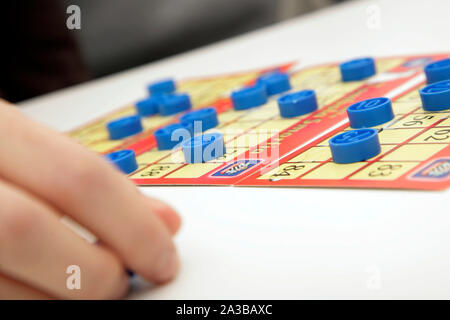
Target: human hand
x,y
45,175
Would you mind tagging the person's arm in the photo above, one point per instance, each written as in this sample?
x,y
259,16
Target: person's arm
x,y
45,175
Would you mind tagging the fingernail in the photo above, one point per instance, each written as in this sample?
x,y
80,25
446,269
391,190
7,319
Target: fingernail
x,y
167,266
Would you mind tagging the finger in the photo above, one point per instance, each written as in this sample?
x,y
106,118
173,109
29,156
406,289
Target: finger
x,y
37,249
84,186
11,289
166,213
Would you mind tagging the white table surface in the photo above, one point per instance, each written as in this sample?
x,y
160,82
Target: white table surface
x,y
294,243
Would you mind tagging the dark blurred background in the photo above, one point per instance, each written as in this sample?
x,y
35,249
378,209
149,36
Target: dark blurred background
x,y
119,34
42,55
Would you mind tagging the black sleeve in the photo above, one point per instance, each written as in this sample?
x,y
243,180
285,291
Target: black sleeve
x,y
39,54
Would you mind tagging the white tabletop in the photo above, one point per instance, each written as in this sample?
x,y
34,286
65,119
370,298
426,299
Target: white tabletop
x,y
294,243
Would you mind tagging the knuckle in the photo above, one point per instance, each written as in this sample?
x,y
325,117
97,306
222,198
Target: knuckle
x,y
83,178
18,222
85,174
